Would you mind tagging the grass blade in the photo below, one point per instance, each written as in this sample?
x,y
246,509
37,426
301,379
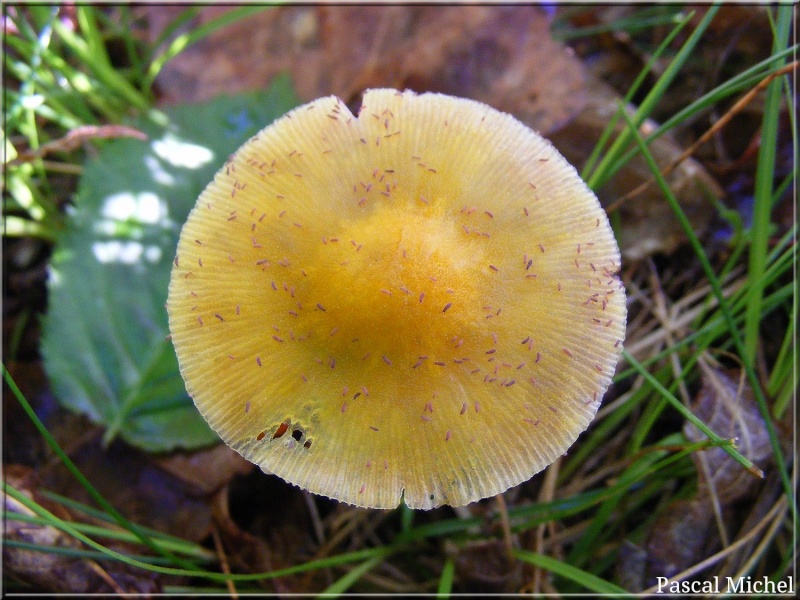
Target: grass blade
x,y
591,582
446,579
727,445
762,194
609,165
609,130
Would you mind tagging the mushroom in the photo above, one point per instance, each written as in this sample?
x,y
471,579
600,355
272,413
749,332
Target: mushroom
x,y
417,303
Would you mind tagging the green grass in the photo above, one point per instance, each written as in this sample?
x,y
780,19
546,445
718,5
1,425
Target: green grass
x,y
67,80
624,471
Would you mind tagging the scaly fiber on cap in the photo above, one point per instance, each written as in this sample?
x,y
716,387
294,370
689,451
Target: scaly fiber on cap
x,y
419,302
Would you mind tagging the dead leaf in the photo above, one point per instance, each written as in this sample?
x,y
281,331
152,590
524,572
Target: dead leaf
x,y
503,56
485,567
206,471
247,553
681,536
133,482
45,571
727,405
264,524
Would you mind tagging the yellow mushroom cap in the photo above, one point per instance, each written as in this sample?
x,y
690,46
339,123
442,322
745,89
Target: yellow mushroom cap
x,y
419,302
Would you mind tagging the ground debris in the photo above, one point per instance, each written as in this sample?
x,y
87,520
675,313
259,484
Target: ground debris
x,y
689,530
51,571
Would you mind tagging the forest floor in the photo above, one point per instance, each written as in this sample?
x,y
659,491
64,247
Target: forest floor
x,y
641,495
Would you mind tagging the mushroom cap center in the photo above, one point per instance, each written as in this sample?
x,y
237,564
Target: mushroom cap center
x,y
408,290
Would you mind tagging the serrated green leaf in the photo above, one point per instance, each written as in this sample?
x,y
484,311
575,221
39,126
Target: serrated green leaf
x,y
105,340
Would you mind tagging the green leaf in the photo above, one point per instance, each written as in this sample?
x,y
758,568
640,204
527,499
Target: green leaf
x,y
105,335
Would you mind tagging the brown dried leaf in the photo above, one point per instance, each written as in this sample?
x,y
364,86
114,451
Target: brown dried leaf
x,y
206,471
503,56
727,405
245,552
682,535
485,567
133,482
43,571
263,525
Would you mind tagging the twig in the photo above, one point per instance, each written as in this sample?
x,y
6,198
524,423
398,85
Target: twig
x,y
223,561
105,576
506,525
319,528
75,137
546,495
